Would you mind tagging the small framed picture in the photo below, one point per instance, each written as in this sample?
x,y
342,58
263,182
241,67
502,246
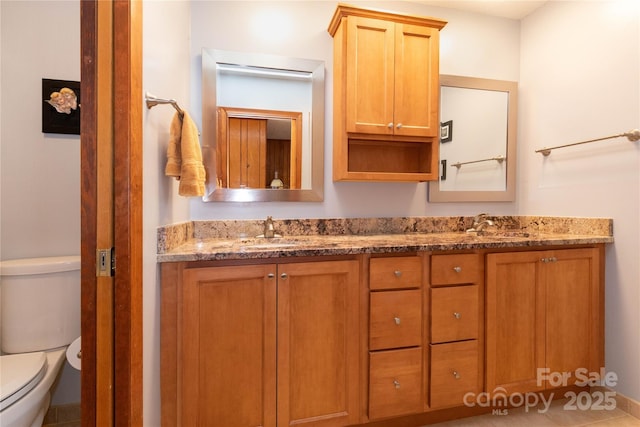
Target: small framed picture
x,y
61,106
446,131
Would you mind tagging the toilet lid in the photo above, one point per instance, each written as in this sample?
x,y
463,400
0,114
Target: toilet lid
x,y
19,373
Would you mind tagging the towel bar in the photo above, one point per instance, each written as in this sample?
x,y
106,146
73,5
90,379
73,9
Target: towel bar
x,y
632,135
152,101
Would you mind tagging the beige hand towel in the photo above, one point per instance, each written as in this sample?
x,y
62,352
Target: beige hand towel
x,y
184,157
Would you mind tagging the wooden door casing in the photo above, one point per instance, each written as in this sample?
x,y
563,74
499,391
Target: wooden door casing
x,y
111,139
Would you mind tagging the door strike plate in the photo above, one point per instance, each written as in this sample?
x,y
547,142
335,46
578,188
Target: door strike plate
x,y
105,262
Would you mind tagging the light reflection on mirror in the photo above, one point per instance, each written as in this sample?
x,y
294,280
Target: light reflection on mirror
x,y
242,90
477,159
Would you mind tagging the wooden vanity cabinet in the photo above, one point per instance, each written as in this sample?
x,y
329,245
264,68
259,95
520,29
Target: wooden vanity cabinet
x,y
545,309
267,345
386,95
456,328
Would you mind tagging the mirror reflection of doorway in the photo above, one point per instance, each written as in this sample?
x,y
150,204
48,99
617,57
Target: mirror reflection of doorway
x,y
256,147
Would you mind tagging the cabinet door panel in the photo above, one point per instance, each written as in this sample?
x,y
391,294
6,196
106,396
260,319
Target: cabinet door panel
x,y
318,343
416,81
228,347
573,301
515,322
370,53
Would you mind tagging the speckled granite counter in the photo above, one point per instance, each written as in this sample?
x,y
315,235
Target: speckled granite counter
x,y
224,240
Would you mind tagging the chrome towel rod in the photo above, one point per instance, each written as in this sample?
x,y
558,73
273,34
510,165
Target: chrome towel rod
x,y
632,135
499,159
152,101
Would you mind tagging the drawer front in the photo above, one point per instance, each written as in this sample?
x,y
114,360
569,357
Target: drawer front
x,y
395,319
395,382
454,372
454,313
395,273
456,269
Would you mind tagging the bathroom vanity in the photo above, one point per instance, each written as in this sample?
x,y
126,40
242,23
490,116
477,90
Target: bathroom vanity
x,y
385,321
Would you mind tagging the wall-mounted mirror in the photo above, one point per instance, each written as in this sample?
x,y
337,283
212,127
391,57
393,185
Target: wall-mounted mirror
x,y
478,140
262,127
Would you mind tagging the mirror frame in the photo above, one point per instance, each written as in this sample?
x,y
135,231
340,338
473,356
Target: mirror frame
x,y
509,194
212,57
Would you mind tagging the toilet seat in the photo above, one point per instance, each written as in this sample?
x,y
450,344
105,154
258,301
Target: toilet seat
x,y
19,373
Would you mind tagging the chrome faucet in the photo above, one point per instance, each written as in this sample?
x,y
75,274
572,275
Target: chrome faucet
x,y
480,221
269,230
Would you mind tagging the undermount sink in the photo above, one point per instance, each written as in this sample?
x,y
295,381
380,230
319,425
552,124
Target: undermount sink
x,y
264,243
269,246
503,234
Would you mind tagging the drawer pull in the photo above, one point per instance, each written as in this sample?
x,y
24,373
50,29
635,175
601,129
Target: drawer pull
x,y
457,269
397,320
397,273
457,315
456,375
396,383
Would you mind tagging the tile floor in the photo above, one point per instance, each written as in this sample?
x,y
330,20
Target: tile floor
x,y
555,416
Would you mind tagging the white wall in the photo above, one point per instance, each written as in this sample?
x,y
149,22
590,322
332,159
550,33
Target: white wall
x,y
166,75
580,79
39,173
474,45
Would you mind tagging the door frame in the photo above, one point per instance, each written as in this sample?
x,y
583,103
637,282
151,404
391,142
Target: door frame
x,y
111,140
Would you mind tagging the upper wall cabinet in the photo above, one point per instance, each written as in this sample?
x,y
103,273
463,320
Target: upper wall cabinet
x,y
386,96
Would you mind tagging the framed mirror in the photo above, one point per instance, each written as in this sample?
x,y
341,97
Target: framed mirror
x,y
262,127
478,140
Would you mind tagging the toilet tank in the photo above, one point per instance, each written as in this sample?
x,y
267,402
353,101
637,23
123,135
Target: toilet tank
x,y
39,303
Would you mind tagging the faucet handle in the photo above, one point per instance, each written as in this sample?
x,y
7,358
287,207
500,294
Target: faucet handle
x,y
479,217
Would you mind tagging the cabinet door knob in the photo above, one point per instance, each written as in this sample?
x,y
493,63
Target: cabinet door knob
x,y
456,375
457,315
396,320
271,275
399,125
397,273
396,383
553,259
457,269
283,276
390,125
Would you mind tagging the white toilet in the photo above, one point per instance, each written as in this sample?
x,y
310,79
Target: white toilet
x,y
40,317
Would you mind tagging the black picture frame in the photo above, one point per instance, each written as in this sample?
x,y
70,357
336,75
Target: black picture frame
x,y
446,131
52,120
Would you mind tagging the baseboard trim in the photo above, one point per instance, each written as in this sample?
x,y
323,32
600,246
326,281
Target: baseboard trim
x,y
624,403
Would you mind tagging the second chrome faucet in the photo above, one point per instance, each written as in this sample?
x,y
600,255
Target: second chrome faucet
x,y
480,221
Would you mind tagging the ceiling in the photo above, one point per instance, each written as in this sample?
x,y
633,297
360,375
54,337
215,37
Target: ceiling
x,y
513,9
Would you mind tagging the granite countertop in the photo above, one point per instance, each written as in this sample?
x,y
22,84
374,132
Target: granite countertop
x,y
227,240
